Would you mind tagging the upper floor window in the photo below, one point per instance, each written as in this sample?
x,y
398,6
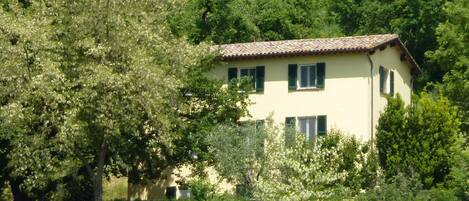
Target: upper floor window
x,y
255,74
307,76
310,76
386,81
249,73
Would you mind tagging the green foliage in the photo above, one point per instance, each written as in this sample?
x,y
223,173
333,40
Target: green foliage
x,y
399,187
414,21
204,104
436,194
91,89
452,37
264,167
402,187
458,179
453,56
239,153
419,138
201,189
332,168
231,21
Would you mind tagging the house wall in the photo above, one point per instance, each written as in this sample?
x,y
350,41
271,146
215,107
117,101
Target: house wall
x,y
345,98
389,58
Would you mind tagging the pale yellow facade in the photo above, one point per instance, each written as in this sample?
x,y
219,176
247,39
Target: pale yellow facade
x,y
347,99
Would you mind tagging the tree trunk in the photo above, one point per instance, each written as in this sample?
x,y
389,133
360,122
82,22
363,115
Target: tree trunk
x,y
18,194
98,178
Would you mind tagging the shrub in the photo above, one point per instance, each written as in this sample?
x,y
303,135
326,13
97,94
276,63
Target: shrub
x,y
418,138
201,190
398,188
331,168
436,194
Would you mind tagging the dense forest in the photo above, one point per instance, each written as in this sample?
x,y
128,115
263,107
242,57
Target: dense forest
x,y
94,89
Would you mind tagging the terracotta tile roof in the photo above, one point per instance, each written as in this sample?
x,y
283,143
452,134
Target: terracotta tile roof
x,y
310,46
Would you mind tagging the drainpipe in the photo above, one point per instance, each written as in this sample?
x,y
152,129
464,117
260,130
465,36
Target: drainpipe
x,y
372,101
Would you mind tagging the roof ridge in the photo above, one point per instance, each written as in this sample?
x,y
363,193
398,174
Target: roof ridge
x,y
313,39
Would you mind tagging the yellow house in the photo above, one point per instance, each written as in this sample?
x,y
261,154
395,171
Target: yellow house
x,y
319,84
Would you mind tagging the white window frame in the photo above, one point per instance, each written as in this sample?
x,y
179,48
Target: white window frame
x,y
314,86
298,126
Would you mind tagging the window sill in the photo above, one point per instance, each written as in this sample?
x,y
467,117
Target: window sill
x,y
252,92
306,89
385,94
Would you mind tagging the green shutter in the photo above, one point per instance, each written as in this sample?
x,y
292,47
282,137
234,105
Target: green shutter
x,y
232,74
322,125
321,75
391,83
260,124
260,77
290,130
292,76
381,79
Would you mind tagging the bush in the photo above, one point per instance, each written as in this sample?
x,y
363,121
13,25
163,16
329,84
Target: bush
x,y
201,189
331,168
404,188
418,138
398,188
436,194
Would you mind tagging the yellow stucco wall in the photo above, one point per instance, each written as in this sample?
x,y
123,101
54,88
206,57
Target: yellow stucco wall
x,y
389,58
346,98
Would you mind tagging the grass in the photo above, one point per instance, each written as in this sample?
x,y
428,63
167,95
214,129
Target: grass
x,y
115,189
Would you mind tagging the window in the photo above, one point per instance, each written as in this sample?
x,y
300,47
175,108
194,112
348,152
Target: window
x,y
307,76
171,192
386,81
255,74
249,73
311,126
307,126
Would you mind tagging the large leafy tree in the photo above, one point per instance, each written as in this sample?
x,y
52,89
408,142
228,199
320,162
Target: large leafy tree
x,y
91,89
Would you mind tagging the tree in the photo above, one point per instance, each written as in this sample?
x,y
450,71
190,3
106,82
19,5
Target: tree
x,y
238,153
231,21
414,21
420,138
27,122
99,89
453,55
391,137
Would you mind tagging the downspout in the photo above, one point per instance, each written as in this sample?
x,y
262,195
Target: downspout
x,y
372,101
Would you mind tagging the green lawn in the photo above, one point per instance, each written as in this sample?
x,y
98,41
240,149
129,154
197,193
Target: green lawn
x,y
115,189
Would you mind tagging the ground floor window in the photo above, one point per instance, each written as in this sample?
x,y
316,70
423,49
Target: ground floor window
x,y
310,126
